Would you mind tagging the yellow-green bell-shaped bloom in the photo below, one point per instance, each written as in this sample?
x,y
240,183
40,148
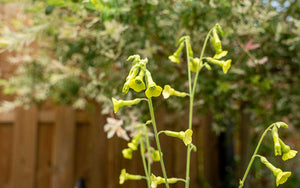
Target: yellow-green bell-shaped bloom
x,y
175,56
281,177
124,176
168,91
153,90
224,64
120,103
157,180
155,156
137,83
135,142
127,153
287,153
132,74
186,136
277,146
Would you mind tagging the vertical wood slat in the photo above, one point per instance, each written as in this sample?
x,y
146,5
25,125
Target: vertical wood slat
x,y
97,160
6,140
24,148
64,148
44,155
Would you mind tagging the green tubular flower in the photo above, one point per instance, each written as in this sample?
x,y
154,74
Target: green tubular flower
x,y
135,142
157,180
287,153
132,74
153,90
224,64
137,83
155,156
277,146
194,63
216,42
281,177
220,55
127,153
120,103
186,136
168,91
126,176
175,56
281,124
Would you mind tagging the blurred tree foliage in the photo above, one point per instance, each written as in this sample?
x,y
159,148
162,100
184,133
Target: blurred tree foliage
x,y
83,45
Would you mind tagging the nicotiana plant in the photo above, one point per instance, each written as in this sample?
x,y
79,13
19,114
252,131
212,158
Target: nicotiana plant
x,y
140,79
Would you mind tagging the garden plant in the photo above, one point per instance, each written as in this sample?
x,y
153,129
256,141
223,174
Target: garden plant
x,y
140,79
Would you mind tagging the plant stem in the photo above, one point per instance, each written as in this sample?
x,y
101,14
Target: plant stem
x,y
157,142
253,156
188,158
191,94
142,148
148,150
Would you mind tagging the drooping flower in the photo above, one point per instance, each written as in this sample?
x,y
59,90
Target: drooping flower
x,y
155,156
132,74
186,136
135,142
175,56
113,126
169,91
153,90
287,153
127,153
277,147
281,177
120,103
124,176
224,64
137,83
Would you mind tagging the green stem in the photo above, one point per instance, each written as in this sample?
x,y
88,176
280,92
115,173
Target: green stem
x,y
157,142
148,150
254,155
142,148
191,94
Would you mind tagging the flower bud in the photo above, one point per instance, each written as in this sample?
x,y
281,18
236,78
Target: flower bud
x,y
287,153
168,91
277,147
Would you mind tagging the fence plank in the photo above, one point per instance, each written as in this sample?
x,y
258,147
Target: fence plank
x,y
24,148
64,148
44,155
97,159
6,140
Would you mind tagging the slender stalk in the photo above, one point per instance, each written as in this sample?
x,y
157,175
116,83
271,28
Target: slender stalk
x,y
148,150
142,149
253,156
191,94
157,142
188,158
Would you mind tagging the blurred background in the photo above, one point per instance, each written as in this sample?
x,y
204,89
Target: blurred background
x,y
61,61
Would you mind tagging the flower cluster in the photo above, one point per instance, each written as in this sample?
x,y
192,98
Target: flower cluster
x,y
280,148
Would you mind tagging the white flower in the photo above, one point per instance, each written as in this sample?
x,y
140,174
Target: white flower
x,y
113,127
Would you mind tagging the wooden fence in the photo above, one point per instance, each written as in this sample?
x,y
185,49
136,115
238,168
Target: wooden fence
x,y
55,147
